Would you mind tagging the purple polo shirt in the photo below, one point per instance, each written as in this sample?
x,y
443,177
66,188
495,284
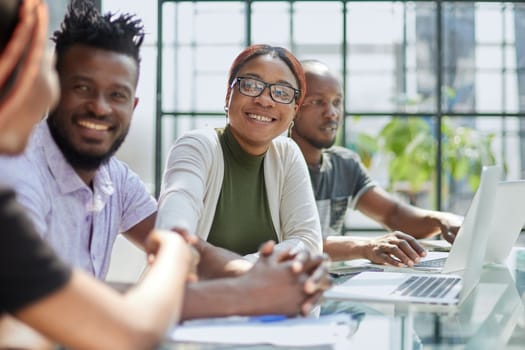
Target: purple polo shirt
x,y
80,224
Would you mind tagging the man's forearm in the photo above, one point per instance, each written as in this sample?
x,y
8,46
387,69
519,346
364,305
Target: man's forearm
x,y
344,248
417,222
217,262
212,298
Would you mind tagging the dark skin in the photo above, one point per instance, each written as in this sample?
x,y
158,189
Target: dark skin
x,y
224,283
94,111
315,128
271,282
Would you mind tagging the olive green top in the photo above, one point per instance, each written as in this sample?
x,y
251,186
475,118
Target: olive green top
x,y
242,219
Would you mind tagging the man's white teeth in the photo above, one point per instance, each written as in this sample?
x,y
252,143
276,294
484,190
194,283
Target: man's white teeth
x,y
93,126
260,118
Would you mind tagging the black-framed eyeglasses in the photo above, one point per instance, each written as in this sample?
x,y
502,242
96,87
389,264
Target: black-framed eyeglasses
x,y
252,87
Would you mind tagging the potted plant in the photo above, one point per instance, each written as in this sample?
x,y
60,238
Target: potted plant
x,y
409,145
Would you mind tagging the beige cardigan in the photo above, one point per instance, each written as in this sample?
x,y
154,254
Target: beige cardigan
x,y
192,183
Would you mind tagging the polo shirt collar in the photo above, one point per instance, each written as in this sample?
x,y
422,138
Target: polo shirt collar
x,y
67,179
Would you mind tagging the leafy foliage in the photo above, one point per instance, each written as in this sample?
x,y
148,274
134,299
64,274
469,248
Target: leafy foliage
x,y
410,145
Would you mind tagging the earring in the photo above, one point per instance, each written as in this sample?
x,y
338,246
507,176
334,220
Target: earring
x,y
226,111
290,129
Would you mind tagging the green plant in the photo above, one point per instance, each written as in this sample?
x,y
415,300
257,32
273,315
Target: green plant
x,y
409,144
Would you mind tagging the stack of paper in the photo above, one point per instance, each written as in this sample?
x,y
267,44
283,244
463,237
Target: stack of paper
x,y
309,331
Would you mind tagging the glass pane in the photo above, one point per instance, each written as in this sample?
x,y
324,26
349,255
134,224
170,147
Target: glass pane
x,y
362,20
147,81
210,22
510,57
508,22
386,57
210,92
468,144
216,59
489,92
489,14
168,135
425,51
57,9
511,92
169,76
187,86
171,24
459,57
362,137
322,41
369,91
373,55
512,152
271,23
318,22
489,57
400,154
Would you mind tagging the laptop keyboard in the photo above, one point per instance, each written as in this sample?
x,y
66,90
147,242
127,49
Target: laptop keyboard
x,y
426,287
440,262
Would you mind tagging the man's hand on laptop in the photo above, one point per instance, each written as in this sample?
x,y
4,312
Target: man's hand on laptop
x,y
449,225
395,248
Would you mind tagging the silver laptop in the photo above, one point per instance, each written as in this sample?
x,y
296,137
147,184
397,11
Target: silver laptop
x,y
507,221
443,289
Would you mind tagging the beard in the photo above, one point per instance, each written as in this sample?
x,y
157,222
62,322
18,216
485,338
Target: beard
x,y
321,144
78,159
316,143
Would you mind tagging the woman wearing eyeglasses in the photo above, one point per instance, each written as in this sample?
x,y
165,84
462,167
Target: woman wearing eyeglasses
x,y
243,185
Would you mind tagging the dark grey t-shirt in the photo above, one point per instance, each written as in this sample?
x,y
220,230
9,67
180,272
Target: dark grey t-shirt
x,y
338,183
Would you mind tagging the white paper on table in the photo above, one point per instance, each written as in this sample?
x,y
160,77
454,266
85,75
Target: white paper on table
x,y
308,331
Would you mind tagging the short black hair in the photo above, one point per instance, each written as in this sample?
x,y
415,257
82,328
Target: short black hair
x,y
83,24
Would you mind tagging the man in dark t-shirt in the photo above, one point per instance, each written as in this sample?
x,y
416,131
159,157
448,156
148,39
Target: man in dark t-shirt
x,y
340,181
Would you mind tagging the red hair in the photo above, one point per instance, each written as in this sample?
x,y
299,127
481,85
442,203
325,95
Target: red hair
x,y
286,56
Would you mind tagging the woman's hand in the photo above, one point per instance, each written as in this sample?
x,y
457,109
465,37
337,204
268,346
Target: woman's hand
x,y
289,283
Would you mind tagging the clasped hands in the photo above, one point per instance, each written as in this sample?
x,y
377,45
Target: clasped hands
x,y
279,282
295,281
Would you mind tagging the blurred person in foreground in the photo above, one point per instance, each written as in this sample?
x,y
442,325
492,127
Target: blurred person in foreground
x,y
66,305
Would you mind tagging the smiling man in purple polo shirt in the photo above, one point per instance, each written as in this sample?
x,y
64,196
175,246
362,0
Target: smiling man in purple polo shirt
x,y
78,195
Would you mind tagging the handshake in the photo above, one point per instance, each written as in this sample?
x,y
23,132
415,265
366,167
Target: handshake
x,y
222,283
